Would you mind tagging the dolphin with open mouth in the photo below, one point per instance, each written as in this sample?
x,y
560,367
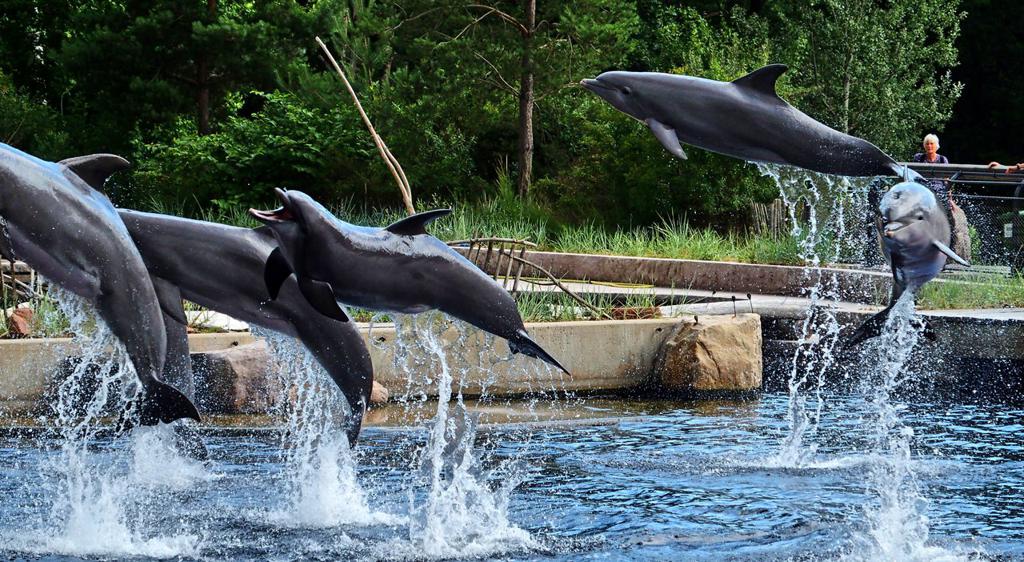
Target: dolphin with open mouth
x,y
221,268
53,218
400,268
915,239
744,119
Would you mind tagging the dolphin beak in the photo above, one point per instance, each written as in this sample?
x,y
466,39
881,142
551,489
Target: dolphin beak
x,y
592,84
280,214
522,343
891,228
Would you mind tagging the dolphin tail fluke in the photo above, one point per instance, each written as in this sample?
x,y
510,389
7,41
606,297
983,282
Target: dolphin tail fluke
x,y
164,403
906,173
522,343
871,327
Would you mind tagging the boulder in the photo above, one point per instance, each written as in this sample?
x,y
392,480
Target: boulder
x,y
19,323
712,353
379,394
961,234
237,380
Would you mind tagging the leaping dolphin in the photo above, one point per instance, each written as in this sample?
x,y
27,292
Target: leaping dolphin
x,y
400,268
221,268
915,238
744,119
53,218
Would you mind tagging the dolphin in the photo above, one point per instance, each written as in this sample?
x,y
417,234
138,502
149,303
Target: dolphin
x,y
53,218
221,268
915,239
744,119
400,268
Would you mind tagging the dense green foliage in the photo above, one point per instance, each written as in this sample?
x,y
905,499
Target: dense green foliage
x,y
217,102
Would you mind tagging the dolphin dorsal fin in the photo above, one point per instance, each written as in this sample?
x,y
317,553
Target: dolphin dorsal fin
x,y
763,79
416,224
94,169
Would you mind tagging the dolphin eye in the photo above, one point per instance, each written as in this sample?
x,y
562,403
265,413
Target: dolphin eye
x,y
920,217
627,90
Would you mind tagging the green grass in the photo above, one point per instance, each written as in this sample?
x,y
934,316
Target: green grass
x,y
676,239
973,292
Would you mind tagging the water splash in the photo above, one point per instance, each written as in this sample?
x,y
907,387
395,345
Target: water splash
x,y
832,205
460,514
898,528
323,487
95,510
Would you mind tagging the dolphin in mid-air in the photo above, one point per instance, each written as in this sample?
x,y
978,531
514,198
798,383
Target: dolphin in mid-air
x,y
744,119
221,268
53,218
400,268
915,239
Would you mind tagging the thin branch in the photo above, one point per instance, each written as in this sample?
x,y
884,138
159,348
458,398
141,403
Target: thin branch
x,y
416,17
504,82
508,19
471,24
389,159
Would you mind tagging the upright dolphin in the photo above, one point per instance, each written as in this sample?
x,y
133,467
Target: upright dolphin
x,y
744,119
400,268
221,268
52,218
915,240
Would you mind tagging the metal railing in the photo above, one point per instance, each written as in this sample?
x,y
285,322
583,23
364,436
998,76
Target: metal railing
x,y
507,254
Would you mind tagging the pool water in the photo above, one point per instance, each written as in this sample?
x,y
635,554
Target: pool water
x,y
608,480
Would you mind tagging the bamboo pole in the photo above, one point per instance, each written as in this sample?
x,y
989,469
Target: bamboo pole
x,y
389,159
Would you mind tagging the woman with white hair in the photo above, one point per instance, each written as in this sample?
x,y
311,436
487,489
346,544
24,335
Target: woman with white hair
x,y
931,151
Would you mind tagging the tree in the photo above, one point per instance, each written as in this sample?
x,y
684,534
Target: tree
x,y
877,70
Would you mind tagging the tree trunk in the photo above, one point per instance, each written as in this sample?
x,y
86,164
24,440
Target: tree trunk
x,y
203,95
203,78
526,101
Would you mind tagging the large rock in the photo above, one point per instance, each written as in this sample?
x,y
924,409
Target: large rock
x,y
237,380
379,394
19,323
713,353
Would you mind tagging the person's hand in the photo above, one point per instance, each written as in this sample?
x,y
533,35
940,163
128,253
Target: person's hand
x,y
994,164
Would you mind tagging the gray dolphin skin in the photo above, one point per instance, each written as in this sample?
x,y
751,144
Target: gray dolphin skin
x,y
221,268
400,268
744,119
52,218
915,238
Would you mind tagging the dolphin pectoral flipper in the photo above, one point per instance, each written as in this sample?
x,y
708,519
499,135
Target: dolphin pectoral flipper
x,y
416,224
321,296
950,253
667,137
95,168
275,272
164,403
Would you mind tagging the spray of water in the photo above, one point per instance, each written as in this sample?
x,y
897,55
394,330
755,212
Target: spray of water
x,y
96,507
831,205
898,528
454,510
320,467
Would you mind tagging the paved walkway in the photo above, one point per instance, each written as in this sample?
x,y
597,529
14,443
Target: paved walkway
x,y
709,302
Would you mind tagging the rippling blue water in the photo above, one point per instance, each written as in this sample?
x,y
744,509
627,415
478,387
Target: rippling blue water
x,y
639,481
